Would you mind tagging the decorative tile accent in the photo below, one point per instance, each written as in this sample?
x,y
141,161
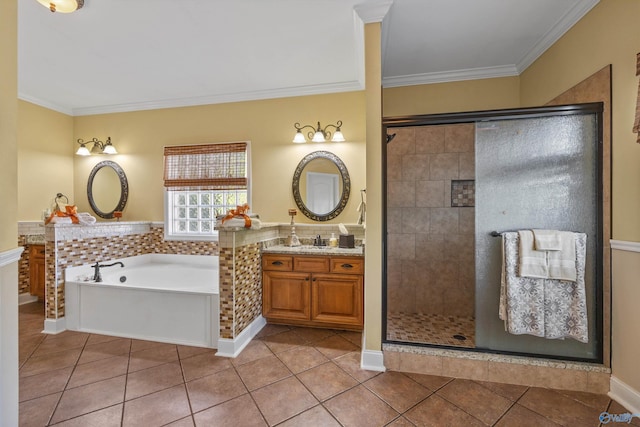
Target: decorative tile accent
x,y
226,292
463,193
23,267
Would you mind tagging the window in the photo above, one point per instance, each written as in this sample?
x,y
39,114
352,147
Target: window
x,y
201,183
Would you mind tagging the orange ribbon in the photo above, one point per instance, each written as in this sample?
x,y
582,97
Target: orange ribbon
x,y
69,210
239,212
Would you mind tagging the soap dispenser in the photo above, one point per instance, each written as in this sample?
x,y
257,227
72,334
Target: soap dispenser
x,y
333,241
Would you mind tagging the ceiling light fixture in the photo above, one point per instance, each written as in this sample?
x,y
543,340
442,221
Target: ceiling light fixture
x,y
319,134
62,6
98,147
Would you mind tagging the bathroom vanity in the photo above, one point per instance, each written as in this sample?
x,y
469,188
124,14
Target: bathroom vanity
x,y
314,287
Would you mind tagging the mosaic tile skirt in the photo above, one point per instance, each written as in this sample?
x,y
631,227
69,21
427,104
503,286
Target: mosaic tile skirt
x,y
431,329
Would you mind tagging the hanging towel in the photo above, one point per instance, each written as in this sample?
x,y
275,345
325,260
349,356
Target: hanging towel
x,y
533,263
562,263
547,240
549,308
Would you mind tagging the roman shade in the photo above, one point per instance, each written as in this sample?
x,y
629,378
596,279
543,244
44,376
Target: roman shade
x,y
206,166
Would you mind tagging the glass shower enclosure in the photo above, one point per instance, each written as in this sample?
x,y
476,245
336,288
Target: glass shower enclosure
x,y
536,168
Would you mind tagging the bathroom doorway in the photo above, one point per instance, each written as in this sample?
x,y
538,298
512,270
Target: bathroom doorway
x,y
453,180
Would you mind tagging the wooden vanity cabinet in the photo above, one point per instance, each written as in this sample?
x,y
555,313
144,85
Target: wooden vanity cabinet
x,y
36,270
320,291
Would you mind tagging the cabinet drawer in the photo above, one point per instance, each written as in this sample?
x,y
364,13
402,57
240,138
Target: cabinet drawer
x,y
311,264
275,262
347,265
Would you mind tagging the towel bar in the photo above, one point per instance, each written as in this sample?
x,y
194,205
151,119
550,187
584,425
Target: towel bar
x,y
500,233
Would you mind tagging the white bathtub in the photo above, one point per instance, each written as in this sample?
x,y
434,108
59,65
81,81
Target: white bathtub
x,y
157,297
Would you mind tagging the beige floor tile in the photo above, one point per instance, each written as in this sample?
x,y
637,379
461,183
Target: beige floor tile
x,y
213,389
241,411
262,372
559,408
283,341
53,343
99,339
435,411
326,380
43,384
397,390
185,351
311,335
89,398
302,358
203,364
316,417
184,422
335,346
158,408
350,362
37,412
99,370
616,408
432,382
475,399
510,391
283,400
271,329
360,407
598,401
154,379
104,350
255,350
519,416
108,417
152,356
50,362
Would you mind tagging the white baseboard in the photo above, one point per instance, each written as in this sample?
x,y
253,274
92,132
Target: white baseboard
x,y
55,326
372,360
26,298
232,347
625,395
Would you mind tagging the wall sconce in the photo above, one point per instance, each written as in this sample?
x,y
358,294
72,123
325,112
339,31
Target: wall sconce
x,y
319,134
98,147
62,6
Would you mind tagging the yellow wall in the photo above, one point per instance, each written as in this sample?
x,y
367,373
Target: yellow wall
x,y
470,95
45,159
8,120
268,125
609,34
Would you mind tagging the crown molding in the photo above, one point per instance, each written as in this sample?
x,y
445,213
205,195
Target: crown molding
x,y
349,86
45,104
451,76
563,25
373,11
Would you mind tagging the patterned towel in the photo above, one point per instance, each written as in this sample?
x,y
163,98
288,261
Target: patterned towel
x,y
549,308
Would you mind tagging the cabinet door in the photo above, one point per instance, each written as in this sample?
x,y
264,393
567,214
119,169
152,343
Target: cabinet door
x,y
36,271
286,295
337,298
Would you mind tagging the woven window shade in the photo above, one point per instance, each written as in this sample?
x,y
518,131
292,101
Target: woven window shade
x,y
206,167
636,123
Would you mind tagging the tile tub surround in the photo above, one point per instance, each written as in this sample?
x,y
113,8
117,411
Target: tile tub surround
x,y
69,245
430,264
532,372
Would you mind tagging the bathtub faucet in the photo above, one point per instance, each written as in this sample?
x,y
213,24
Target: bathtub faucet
x,y
97,277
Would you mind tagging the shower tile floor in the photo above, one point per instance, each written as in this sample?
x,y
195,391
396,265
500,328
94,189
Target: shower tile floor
x,y
431,329
286,376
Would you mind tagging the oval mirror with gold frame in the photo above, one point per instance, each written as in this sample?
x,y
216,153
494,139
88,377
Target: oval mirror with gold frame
x,y
321,186
107,189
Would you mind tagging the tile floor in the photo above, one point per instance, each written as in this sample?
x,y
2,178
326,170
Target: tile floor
x,y
431,329
286,376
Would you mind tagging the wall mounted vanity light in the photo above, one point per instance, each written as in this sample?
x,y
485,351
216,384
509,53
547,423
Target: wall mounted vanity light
x,y
98,147
63,6
319,134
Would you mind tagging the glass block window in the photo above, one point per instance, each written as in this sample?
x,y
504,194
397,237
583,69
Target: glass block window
x,y
201,183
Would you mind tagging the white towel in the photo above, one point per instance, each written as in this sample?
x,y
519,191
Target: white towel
x,y
86,218
562,263
238,223
61,220
547,240
532,263
547,264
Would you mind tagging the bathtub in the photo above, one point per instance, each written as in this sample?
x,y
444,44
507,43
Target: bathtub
x,y
156,297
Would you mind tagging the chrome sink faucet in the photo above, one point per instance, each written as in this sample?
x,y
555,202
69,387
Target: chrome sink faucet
x,y
318,241
97,277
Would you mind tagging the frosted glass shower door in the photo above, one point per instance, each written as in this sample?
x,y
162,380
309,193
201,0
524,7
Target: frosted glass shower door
x,y
535,173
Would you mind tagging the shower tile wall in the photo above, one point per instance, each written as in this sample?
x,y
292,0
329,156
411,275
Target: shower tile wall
x,y
430,243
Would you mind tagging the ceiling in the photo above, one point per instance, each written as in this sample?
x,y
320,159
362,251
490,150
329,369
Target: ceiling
x,y
124,55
